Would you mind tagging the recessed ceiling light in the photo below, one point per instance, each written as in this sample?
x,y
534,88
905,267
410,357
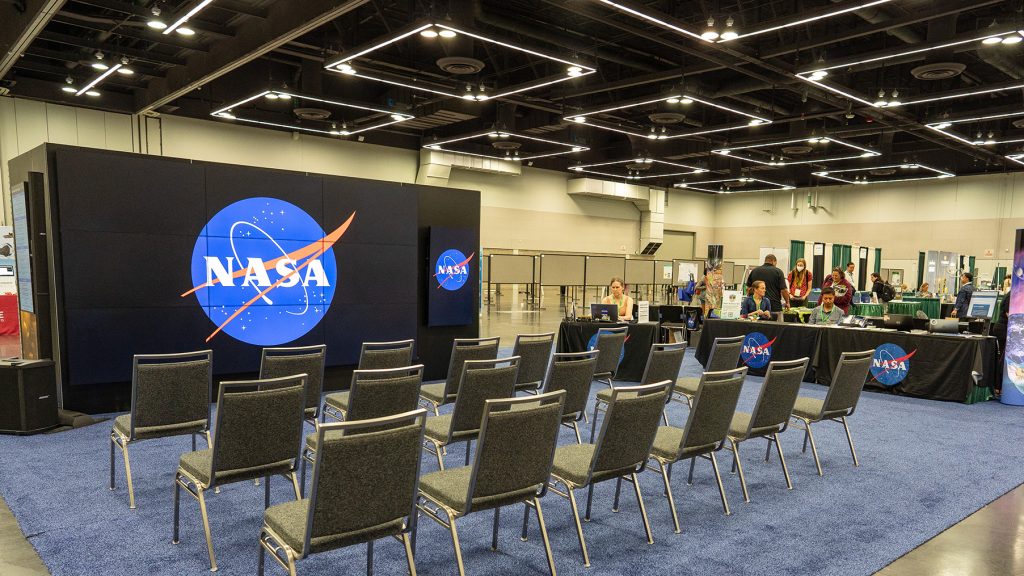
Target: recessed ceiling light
x,y
992,40
92,93
69,89
1012,39
271,96
709,35
156,24
672,101
99,66
185,31
284,96
446,33
429,33
125,71
579,120
686,100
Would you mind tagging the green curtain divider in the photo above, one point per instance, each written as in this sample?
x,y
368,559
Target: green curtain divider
x,y
974,271
796,251
997,277
878,261
837,257
920,268
847,256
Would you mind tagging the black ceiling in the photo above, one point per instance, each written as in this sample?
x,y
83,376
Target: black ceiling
x,y
929,51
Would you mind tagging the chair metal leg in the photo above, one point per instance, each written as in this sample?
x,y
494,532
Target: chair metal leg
x,y
576,429
668,492
302,471
579,527
768,448
128,475
296,486
494,531
643,510
263,554
209,442
593,425
544,535
455,542
785,470
814,448
693,462
739,468
193,441
408,554
468,444
266,492
618,488
664,417
721,489
590,500
112,461
526,522
206,528
369,558
177,506
440,458
849,439
807,431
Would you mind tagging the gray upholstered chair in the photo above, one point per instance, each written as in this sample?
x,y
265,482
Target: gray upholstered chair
x,y
438,394
620,452
847,383
481,380
511,466
308,360
534,351
725,355
705,431
572,372
383,355
663,363
373,394
257,434
365,484
770,416
170,397
610,342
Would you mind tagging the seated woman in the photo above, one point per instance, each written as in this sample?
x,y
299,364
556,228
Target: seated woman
x,y
826,312
623,301
842,289
756,306
924,290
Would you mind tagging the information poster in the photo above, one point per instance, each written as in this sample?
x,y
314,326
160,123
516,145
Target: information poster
x,y
1013,373
643,311
19,211
731,301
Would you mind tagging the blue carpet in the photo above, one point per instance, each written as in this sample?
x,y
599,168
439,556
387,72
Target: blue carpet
x,y
925,465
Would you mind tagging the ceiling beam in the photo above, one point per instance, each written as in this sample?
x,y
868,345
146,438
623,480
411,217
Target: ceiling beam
x,y
285,22
145,35
145,55
19,26
146,14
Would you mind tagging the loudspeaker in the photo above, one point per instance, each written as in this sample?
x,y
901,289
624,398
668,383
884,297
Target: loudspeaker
x,y
28,397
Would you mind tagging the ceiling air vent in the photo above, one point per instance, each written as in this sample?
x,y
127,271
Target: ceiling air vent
x,y
651,248
312,113
460,65
938,70
1019,123
797,150
882,172
506,145
638,166
666,117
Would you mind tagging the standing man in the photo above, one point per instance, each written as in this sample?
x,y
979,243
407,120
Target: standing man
x,y
774,282
851,277
963,297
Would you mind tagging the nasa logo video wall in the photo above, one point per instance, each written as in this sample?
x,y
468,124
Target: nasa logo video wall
x,y
453,272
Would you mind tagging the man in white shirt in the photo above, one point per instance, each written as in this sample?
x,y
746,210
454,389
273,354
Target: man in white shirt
x,y
851,277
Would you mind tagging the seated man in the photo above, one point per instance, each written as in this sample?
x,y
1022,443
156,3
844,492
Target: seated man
x,y
756,306
827,312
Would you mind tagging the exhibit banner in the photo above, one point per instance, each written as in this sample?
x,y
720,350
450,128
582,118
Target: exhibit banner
x,y
1013,373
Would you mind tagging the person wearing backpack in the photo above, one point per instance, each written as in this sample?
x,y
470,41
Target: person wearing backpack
x,y
881,288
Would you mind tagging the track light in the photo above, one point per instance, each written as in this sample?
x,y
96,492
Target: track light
x,y
729,33
181,21
710,34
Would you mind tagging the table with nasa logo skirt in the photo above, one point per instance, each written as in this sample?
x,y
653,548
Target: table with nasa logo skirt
x,y
931,366
763,342
576,337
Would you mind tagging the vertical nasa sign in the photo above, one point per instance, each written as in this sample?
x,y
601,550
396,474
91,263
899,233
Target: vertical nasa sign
x,y
1013,369
452,277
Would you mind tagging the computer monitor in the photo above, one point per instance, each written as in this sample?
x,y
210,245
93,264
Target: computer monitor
x,y
608,312
865,297
904,322
982,304
813,297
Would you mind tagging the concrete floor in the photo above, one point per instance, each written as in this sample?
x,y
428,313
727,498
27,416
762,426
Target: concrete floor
x,y
990,542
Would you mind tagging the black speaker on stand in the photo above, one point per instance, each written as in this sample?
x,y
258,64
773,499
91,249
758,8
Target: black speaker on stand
x,y
28,397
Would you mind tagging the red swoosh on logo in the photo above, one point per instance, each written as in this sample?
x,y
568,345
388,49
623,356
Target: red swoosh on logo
x,y
874,377
460,264
759,349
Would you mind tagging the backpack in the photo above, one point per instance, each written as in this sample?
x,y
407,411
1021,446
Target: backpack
x,y
888,292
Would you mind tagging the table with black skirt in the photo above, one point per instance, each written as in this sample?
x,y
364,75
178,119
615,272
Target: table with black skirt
x,y
577,336
773,341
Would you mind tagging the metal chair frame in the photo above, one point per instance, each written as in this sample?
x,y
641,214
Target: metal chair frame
x,y
449,398
682,397
655,348
570,357
533,387
284,351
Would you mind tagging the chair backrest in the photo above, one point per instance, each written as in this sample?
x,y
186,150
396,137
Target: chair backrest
x,y
308,360
847,382
515,450
725,354
385,355
171,389
467,349
482,380
259,423
609,342
713,408
778,394
366,475
572,372
534,351
629,428
380,393
664,362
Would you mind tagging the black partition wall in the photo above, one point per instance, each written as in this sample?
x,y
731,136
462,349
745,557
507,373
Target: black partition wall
x,y
155,255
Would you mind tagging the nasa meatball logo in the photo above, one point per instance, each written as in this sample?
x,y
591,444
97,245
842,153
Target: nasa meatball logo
x,y
264,272
757,350
452,269
890,364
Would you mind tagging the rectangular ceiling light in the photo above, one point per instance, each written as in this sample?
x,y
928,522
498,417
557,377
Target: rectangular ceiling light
x,y
181,21
654,18
841,9
445,29
850,151
559,148
679,98
229,112
95,81
903,170
1018,158
675,169
733,185
818,74
946,128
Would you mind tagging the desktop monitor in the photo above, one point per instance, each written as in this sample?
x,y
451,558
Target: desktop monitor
x,y
608,312
983,303
813,297
904,322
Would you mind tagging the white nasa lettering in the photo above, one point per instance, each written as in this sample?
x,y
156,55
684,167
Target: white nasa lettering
x,y
758,350
451,270
256,272
890,364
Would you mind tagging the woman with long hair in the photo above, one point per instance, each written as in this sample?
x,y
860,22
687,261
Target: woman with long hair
x,y
800,279
843,289
616,295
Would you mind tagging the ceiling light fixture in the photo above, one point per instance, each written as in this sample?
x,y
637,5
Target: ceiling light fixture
x,y
232,112
855,152
661,20
69,85
702,185
729,33
185,31
944,126
155,22
181,21
1013,38
582,117
92,93
569,148
88,87
710,34
860,179
826,14
1018,158
429,33
673,169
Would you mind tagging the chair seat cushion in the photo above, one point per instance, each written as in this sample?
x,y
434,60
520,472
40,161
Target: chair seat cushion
x,y
198,464
528,386
438,426
572,462
738,426
666,445
604,395
686,386
450,487
288,521
123,426
433,392
338,401
809,408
